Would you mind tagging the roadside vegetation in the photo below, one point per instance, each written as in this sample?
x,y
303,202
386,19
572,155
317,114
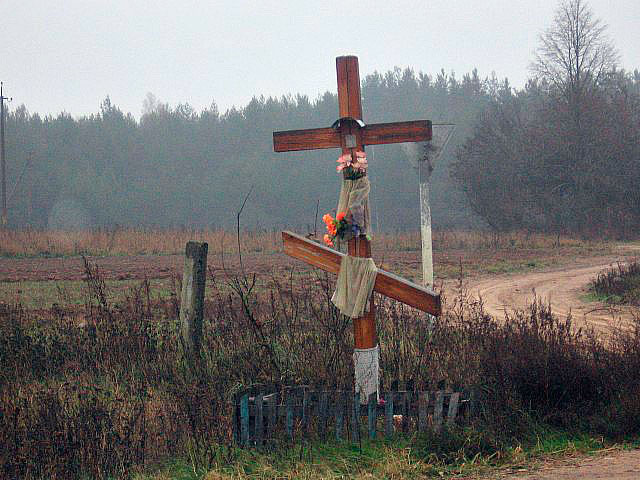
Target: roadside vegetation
x,y
400,458
96,384
105,391
618,285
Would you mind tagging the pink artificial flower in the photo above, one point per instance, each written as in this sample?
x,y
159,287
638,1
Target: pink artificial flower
x,y
345,160
361,161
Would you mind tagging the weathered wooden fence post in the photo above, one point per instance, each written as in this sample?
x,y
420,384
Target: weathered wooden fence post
x,y
192,301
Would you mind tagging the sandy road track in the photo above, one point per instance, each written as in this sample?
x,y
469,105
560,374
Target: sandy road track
x,y
608,464
562,287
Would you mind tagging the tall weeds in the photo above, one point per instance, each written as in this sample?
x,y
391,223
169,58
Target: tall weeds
x,y
109,392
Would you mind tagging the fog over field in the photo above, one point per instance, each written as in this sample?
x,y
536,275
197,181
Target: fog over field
x,y
68,56
169,112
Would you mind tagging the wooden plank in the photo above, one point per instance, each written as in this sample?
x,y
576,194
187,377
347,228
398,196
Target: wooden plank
x,y
407,292
244,420
386,283
194,278
397,132
374,134
259,420
364,327
339,414
307,139
311,252
353,84
323,400
453,408
406,417
423,403
355,418
473,401
273,414
236,418
349,102
388,414
372,414
350,105
290,414
343,85
437,411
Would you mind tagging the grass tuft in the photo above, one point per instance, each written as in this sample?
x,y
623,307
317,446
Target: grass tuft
x,y
618,285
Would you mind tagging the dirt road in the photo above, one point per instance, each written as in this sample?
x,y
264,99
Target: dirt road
x,y
609,465
562,287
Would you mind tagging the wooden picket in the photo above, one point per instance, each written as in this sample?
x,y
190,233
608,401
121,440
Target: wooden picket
x,y
260,416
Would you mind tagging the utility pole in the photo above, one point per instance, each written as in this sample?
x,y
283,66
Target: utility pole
x,y
3,167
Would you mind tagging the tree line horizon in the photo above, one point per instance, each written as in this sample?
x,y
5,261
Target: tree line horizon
x,y
561,154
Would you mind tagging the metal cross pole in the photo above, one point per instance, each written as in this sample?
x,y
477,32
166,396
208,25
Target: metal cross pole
x,y
3,167
423,157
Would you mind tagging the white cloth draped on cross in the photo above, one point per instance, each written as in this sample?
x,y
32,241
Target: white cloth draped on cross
x,y
355,285
354,201
357,274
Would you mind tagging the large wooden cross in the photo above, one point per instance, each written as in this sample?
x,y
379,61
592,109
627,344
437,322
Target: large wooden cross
x,y
351,134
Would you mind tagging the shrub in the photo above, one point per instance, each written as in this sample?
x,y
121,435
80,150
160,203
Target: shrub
x,y
620,284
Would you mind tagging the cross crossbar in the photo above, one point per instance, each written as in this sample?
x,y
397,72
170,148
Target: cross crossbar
x,y
375,134
386,283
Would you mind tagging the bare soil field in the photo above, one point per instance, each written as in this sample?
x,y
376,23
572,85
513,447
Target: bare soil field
x,y
406,263
41,277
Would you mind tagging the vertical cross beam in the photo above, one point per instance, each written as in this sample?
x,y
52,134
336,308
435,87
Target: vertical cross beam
x,y
364,328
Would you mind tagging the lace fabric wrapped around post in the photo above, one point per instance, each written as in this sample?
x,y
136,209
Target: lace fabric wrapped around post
x,y
367,366
355,285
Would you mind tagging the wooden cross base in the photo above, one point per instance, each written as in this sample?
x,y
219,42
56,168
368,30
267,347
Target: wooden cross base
x,y
386,283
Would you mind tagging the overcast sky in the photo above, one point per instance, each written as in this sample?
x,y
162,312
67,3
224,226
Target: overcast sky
x,y
70,54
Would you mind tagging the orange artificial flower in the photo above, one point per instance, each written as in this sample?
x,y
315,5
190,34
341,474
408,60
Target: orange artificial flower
x,y
340,216
327,218
327,240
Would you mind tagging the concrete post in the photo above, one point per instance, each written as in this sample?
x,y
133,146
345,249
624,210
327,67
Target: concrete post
x,y
192,298
425,170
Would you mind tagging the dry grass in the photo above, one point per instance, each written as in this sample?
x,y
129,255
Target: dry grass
x,y
128,241
114,396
